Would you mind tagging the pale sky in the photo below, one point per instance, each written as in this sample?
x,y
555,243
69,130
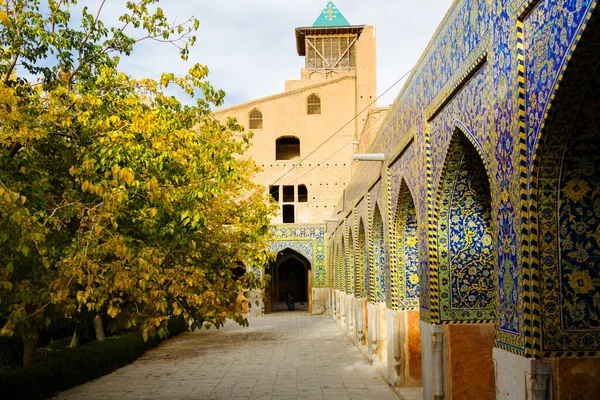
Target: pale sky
x,y
250,48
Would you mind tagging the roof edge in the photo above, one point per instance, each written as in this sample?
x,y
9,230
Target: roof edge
x,y
282,94
301,33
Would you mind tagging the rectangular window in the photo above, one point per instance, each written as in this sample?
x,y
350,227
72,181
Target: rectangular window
x,y
288,194
287,211
274,192
331,52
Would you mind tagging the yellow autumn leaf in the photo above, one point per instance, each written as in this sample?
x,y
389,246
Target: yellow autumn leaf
x,y
112,311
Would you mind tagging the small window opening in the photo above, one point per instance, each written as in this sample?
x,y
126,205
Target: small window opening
x,y
302,194
288,194
256,119
287,148
274,192
288,213
313,104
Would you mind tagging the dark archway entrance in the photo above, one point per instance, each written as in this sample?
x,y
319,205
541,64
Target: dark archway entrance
x,y
290,273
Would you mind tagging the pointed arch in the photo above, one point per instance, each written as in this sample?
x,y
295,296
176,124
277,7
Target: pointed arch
x,y
377,262
361,261
405,274
255,119
306,251
462,278
351,282
289,252
338,264
334,269
290,273
565,211
343,265
313,104
331,262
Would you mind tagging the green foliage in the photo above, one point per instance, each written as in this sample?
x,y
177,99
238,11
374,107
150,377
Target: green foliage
x,y
114,197
66,368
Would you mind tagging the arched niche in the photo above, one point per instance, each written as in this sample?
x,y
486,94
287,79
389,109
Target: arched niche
x,y
406,285
465,252
351,282
343,266
361,262
378,267
565,213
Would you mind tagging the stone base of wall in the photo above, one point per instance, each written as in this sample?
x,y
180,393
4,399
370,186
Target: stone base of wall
x,y
470,364
576,378
518,377
388,339
320,301
403,348
457,361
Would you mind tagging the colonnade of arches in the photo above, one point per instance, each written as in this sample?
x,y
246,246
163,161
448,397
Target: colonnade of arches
x,y
377,277
388,249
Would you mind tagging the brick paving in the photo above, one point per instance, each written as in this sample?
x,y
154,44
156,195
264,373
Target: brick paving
x,y
280,356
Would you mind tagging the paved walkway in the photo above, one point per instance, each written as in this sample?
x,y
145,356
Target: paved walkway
x,y
280,356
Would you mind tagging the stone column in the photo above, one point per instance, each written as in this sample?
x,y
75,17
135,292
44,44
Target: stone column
x,y
373,325
337,306
321,298
333,306
395,348
360,305
432,342
350,309
382,333
342,309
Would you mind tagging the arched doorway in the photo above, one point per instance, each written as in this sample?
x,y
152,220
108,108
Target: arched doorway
x,y
290,273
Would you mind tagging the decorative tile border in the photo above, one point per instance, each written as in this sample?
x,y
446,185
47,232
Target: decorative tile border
x,y
308,240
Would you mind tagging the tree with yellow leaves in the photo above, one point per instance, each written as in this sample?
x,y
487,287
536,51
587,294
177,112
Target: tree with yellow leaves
x,y
114,197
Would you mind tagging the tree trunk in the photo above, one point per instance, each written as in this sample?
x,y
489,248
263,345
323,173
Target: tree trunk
x,y
74,340
30,341
99,328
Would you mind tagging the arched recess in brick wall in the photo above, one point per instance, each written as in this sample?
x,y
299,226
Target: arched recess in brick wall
x,y
405,279
343,264
377,263
465,252
351,270
331,263
361,262
335,263
565,212
339,262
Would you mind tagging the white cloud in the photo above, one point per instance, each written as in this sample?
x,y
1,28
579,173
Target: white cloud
x,y
250,49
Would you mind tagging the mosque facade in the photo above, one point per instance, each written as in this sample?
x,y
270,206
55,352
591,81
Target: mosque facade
x,y
461,252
